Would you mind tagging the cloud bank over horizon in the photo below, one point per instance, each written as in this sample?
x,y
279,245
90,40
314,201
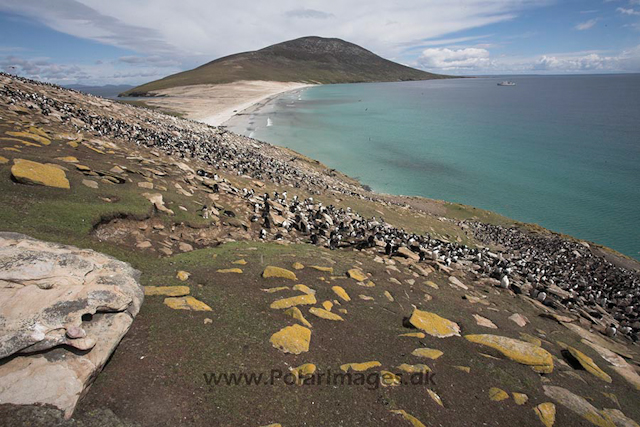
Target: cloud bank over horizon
x,y
148,39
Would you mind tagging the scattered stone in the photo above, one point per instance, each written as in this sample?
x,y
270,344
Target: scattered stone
x,y
327,305
183,276
357,275
519,351
303,371
429,353
230,271
68,159
435,397
37,138
158,202
466,369
325,269
519,319
278,272
420,335
186,303
338,290
520,398
587,363
185,247
388,295
360,367
90,184
240,262
146,185
433,324
324,314
618,418
389,379
547,413
497,394
276,289
413,420
365,297
414,369
618,364
292,339
297,266
456,282
483,321
431,284
304,289
577,405
531,339
293,301
297,314
168,291
34,173
3,160
207,321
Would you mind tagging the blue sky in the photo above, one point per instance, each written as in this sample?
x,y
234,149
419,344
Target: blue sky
x,y
131,42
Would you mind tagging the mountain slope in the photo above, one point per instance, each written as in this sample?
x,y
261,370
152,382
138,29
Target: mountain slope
x,y
307,59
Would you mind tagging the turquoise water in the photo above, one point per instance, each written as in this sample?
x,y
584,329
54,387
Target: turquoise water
x,y
560,151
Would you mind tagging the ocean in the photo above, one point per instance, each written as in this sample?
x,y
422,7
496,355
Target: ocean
x,y
559,151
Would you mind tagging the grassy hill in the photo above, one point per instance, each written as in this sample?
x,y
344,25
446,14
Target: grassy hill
x,y
307,59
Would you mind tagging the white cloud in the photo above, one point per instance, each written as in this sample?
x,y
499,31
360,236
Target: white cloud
x,y
446,59
630,11
586,25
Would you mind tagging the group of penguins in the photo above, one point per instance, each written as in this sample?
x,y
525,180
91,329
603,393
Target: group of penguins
x,y
536,259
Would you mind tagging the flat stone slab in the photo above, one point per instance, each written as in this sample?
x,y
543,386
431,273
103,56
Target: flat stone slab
x,y
55,297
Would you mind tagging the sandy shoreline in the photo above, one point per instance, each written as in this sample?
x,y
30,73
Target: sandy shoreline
x,y
216,104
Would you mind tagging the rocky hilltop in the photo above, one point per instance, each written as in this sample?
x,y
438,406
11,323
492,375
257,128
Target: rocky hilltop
x,y
313,60
280,292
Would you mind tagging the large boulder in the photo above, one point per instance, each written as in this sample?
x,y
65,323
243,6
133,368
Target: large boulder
x,y
63,312
34,173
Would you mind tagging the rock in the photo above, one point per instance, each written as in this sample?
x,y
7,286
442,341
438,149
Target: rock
x,y
297,314
618,364
3,160
327,305
483,321
388,295
456,282
618,418
293,301
547,413
90,184
303,371
429,353
324,269
230,271
520,398
185,247
431,284
278,272
338,290
297,266
389,379
47,291
435,397
146,244
276,289
33,173
463,368
420,335
586,362
357,275
577,405
413,420
531,339
37,138
414,369
292,339
304,289
168,291
433,324
146,185
239,262
158,202
519,319
519,351
360,367
497,394
186,303
408,253
182,275
207,321
324,314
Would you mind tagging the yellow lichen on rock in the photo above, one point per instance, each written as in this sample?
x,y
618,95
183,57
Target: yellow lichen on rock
x,y
324,314
240,262
588,364
578,405
304,289
325,269
186,303
389,379
431,284
433,324
67,159
3,160
293,301
34,173
339,290
37,138
531,339
518,351
429,353
360,367
388,295
497,394
520,398
356,274
414,335
414,369
547,413
328,305
303,371
462,368
297,314
413,420
277,272
297,266
435,397
229,270
276,289
293,339
182,275
167,291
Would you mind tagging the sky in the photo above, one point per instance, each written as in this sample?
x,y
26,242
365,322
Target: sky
x,y
96,42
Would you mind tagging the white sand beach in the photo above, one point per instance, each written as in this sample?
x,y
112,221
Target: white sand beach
x,y
215,104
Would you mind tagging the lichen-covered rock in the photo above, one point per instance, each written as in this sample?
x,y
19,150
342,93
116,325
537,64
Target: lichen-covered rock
x,y
360,367
292,339
34,173
547,413
520,351
578,405
186,303
167,291
55,297
433,324
278,272
324,314
297,314
407,416
293,301
339,290
429,353
356,274
497,394
587,363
